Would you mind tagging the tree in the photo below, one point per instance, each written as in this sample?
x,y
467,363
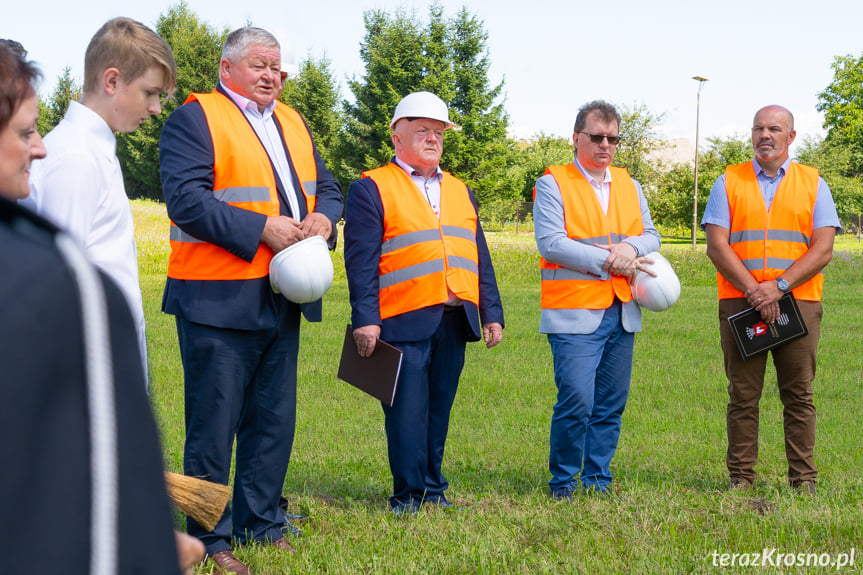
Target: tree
x,y
834,163
840,155
315,95
638,140
197,50
671,201
534,156
449,57
477,152
52,111
392,50
842,104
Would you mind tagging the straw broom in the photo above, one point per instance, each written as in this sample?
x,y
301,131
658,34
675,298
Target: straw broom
x,y
203,501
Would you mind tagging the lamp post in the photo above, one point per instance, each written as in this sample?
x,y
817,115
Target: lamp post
x,y
701,80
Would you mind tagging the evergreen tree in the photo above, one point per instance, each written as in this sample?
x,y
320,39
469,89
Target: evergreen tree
x,y
314,94
52,111
197,50
449,57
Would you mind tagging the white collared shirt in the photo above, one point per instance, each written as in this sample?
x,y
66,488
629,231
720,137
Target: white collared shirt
x,y
602,189
79,186
268,132
429,188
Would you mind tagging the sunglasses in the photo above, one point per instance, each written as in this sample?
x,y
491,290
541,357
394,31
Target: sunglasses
x,y
597,138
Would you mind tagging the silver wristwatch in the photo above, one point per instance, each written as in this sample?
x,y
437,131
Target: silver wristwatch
x,y
782,284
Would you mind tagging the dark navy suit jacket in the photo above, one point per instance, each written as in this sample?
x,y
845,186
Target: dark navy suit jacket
x,y
364,232
186,156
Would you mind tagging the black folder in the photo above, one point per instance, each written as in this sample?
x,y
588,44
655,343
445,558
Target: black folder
x,y
377,375
754,336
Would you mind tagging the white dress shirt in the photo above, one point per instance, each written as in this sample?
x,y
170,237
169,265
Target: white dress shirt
x,y
268,132
79,187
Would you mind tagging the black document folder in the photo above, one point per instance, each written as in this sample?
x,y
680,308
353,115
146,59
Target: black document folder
x,y
755,336
377,375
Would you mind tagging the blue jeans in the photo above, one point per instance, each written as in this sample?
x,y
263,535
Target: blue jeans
x,y
592,373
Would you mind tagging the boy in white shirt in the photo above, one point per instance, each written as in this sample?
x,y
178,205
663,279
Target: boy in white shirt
x,y
79,186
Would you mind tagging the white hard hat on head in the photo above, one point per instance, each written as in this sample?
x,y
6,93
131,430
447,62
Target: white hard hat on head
x,y
422,105
302,272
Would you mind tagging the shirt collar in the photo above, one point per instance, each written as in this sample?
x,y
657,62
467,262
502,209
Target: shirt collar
x,y
783,169
411,172
248,105
591,179
93,123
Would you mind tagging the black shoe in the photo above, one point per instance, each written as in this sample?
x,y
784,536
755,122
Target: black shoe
x,y
289,528
400,508
562,494
603,492
440,501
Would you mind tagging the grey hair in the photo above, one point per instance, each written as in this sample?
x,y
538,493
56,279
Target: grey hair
x,y
238,41
606,112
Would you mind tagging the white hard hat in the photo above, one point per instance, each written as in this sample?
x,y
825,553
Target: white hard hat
x,y
302,272
656,293
422,105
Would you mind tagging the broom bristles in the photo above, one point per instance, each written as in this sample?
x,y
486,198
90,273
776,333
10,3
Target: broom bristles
x,y
203,501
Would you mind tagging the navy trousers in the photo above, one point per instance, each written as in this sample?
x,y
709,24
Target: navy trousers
x,y
241,385
418,422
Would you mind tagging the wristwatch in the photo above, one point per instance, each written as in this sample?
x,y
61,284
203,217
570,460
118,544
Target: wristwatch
x,y
782,284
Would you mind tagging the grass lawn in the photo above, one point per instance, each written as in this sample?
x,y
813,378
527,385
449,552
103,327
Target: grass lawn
x,y
672,513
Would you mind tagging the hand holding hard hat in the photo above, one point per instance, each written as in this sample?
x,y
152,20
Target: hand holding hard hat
x,y
302,272
656,293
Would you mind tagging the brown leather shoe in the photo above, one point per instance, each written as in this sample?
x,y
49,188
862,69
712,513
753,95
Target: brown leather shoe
x,y
227,563
282,543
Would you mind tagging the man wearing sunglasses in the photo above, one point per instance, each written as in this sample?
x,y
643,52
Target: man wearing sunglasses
x,y
593,229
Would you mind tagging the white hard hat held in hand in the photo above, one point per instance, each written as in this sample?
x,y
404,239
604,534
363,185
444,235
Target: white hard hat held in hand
x,y
656,293
422,105
302,272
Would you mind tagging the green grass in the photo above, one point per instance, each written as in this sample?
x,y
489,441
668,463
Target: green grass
x,y
672,510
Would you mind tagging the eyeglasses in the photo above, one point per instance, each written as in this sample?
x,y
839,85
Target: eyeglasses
x,y
597,138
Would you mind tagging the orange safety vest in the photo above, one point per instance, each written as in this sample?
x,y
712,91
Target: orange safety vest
x,y
769,242
422,258
586,223
244,177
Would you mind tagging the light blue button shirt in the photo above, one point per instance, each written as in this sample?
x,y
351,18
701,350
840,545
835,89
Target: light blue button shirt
x,y
718,212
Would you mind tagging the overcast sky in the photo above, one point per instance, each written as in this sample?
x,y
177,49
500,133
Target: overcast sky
x,y
552,56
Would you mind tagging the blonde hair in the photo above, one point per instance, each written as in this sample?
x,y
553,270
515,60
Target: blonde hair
x,y
133,49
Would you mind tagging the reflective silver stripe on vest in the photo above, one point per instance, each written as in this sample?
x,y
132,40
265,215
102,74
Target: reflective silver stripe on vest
x,y
463,263
772,263
178,235
565,274
758,236
411,272
310,187
243,194
409,239
590,241
617,238
458,232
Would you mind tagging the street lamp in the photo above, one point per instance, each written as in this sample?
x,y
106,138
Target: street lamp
x,y
701,80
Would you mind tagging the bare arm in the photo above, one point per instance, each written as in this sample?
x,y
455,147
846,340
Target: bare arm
x,y
818,255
